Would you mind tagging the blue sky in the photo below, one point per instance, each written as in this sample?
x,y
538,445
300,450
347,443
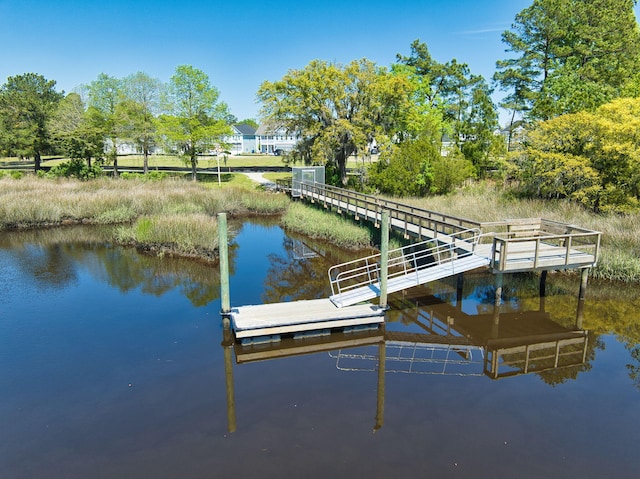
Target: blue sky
x,y
240,44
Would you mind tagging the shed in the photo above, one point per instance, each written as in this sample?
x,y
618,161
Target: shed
x,y
307,175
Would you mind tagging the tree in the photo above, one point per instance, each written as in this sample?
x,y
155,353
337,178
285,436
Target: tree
x,y
74,133
27,103
464,100
417,168
105,95
336,110
137,112
249,121
195,120
569,55
590,158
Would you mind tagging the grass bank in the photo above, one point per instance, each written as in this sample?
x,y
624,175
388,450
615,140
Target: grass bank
x,y
326,226
167,215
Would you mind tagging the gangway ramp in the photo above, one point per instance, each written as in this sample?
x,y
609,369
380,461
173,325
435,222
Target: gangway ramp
x,y
359,280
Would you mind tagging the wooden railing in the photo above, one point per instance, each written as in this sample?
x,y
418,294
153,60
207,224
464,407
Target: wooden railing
x,y
572,246
409,219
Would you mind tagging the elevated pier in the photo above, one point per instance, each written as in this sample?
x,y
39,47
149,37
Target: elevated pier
x,y
446,246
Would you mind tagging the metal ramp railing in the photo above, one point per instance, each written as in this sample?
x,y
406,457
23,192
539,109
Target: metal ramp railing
x,y
415,358
359,280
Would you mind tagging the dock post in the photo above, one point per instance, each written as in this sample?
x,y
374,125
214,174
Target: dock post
x,y
223,248
584,275
543,283
543,290
382,366
227,344
384,258
495,328
459,289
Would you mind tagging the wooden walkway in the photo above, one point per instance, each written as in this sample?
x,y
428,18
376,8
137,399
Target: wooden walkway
x,y
515,245
447,246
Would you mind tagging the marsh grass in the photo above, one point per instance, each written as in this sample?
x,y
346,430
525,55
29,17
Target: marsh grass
x,y
193,234
331,227
35,201
620,252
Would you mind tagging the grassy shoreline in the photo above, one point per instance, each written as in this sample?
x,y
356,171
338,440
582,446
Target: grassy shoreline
x,y
178,217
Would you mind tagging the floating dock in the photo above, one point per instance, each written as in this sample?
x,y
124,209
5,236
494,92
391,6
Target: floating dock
x,y
267,322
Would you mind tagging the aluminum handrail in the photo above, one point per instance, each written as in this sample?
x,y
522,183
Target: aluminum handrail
x,y
402,261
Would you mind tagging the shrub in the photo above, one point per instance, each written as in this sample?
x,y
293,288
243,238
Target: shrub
x,y
75,169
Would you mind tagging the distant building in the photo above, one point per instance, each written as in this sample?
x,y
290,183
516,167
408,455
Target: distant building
x,y
275,140
242,140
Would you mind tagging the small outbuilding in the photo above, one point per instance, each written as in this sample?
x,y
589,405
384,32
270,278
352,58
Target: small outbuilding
x,y
305,175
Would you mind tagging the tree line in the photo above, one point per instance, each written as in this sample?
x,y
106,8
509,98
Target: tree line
x,y
185,116
569,62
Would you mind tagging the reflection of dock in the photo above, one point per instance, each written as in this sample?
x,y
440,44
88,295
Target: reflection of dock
x,y
287,347
426,336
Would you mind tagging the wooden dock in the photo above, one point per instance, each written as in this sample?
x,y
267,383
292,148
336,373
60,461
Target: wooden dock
x,y
447,246
270,321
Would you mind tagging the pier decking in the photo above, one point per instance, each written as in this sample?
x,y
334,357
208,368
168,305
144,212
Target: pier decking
x,y
269,321
447,246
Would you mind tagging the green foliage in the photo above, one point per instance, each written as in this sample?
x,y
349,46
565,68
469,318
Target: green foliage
x,y
196,119
105,94
75,168
590,158
569,56
416,168
27,103
337,110
150,176
448,96
324,225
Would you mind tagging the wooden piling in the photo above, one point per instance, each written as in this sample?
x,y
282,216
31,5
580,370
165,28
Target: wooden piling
x,y
384,258
382,366
223,248
584,275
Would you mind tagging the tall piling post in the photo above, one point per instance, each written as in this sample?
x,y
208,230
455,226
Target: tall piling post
x,y
223,248
382,367
384,258
227,344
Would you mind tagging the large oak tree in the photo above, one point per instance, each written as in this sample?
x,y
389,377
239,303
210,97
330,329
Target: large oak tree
x,y
336,110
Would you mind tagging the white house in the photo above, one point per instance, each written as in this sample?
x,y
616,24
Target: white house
x,y
274,140
242,140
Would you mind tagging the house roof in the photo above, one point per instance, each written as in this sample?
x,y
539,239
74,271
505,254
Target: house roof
x,y
270,129
244,129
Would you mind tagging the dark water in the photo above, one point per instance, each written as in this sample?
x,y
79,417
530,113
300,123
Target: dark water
x,y
112,366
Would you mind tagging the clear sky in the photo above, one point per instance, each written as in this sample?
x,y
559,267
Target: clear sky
x,y
240,44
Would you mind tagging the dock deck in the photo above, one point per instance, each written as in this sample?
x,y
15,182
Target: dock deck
x,y
275,319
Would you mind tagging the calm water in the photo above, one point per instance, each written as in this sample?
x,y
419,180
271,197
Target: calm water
x,y
115,365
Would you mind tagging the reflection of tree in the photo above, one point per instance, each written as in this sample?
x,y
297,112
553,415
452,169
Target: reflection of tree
x,y
53,257
291,278
634,369
48,265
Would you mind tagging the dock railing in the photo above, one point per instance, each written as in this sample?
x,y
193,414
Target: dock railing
x,y
403,262
409,219
537,243
513,245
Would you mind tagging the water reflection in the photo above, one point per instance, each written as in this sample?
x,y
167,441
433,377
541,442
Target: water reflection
x,y
55,258
426,335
